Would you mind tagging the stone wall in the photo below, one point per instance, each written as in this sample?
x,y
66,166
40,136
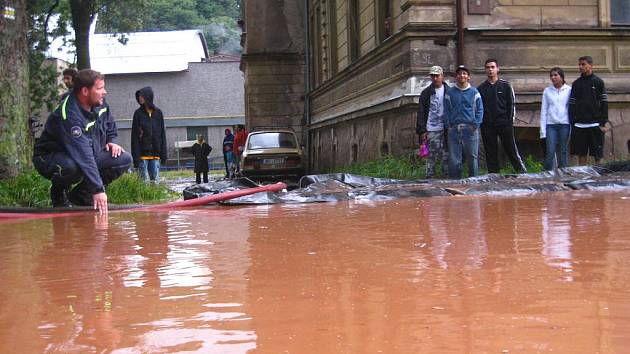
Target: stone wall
x,y
273,64
537,14
365,135
274,89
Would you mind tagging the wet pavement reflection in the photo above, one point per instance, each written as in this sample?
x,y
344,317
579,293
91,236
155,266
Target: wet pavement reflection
x,y
467,274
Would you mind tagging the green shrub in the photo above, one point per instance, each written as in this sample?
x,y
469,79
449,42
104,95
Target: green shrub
x,y
389,166
409,166
532,165
29,189
130,189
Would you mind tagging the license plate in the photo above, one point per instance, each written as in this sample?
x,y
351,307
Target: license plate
x,y
277,161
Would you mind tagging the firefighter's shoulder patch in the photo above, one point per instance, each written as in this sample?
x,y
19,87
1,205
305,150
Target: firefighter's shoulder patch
x,y
76,131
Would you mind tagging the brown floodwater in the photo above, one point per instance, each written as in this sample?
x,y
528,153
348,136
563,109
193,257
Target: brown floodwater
x,y
547,273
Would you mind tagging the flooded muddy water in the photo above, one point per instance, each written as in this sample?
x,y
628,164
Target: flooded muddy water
x,y
470,274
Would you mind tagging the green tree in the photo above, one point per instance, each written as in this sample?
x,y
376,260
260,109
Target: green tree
x,y
117,16
167,15
15,149
217,19
220,25
219,8
43,89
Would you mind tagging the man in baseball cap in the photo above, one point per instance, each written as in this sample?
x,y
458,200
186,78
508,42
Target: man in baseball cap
x,y
436,70
463,113
430,121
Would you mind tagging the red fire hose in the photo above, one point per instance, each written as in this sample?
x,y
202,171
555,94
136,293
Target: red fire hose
x,y
213,198
217,197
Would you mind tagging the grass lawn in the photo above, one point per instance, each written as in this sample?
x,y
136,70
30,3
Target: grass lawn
x,y
29,189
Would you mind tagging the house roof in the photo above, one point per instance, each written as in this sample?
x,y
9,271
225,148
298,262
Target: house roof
x,y
223,57
146,52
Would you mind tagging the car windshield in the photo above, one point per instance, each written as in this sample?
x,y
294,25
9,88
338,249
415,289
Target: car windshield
x,y
271,140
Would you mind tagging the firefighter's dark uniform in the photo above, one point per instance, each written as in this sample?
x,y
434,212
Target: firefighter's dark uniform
x,y
72,150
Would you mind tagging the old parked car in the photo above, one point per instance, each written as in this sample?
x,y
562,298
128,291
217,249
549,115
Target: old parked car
x,y
272,154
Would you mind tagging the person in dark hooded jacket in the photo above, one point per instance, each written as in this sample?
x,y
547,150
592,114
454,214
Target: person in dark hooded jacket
x,y
148,136
200,151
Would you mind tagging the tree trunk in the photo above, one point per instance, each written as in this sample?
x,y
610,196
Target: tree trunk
x,y
81,21
15,139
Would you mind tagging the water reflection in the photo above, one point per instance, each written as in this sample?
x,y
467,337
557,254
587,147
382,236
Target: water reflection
x,y
81,274
457,232
556,236
435,275
135,282
181,263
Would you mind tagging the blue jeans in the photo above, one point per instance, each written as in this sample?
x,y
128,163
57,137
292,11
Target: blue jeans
x,y
463,139
150,169
557,142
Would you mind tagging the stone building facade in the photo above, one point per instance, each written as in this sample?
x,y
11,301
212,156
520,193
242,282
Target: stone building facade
x,y
364,63
273,63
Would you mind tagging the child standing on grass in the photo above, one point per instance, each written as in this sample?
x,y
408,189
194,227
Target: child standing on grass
x,y
200,151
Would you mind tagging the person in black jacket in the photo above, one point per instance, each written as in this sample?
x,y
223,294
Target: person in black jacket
x,y
68,80
200,151
499,109
430,120
78,145
588,113
148,136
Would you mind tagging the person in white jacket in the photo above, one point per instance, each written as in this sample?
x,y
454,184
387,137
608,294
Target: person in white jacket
x,y
554,120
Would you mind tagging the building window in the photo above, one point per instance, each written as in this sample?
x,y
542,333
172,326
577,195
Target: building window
x,y
353,29
384,16
620,12
192,132
332,37
317,48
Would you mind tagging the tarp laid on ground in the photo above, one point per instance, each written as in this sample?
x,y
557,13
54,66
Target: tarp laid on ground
x,y
343,186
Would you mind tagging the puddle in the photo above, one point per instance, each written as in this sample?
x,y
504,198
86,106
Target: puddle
x,y
543,272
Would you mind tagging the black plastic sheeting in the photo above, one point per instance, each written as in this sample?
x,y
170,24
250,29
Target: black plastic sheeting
x,y
343,186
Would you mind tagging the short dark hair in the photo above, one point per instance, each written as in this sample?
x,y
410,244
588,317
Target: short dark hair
x,y
86,78
559,71
72,72
462,68
491,60
587,58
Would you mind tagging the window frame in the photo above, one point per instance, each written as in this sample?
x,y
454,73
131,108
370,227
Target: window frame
x,y
353,31
195,130
626,20
384,18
